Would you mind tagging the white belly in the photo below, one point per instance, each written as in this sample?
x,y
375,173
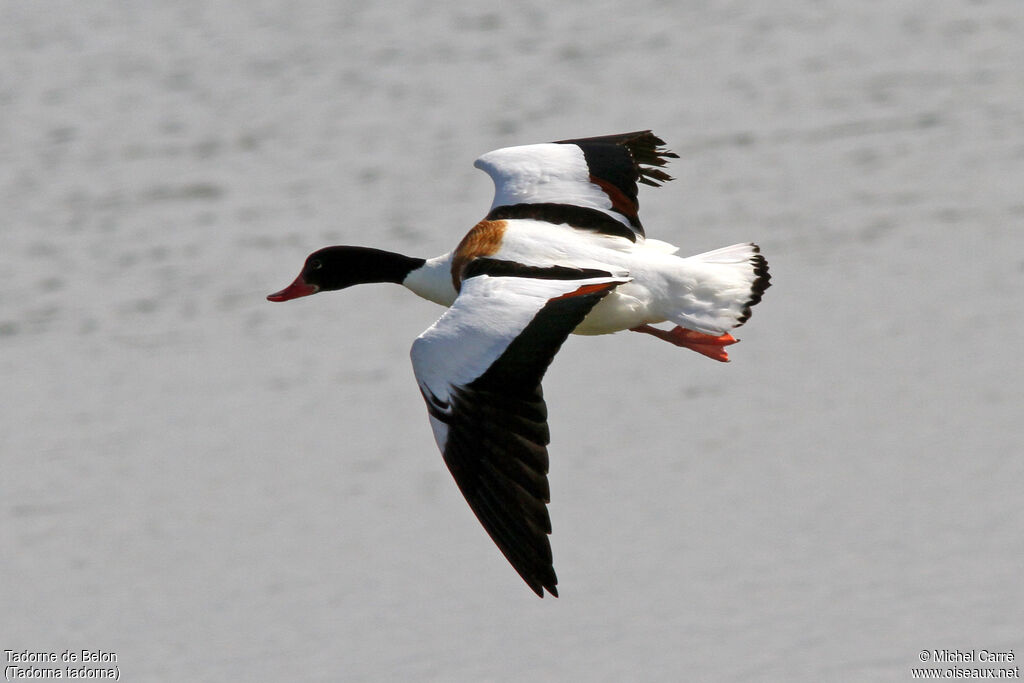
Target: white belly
x,y
624,308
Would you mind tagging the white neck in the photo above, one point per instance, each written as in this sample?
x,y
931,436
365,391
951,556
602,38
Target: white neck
x,y
433,280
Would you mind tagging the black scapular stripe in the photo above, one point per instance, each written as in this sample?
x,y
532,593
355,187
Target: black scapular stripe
x,y
580,217
502,268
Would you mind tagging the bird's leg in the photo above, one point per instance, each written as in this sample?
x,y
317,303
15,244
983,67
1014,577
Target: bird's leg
x,y
704,344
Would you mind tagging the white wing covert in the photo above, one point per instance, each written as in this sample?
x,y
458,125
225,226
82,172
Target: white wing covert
x,y
589,183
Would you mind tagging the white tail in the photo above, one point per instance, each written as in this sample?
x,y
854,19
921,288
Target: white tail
x,y
720,287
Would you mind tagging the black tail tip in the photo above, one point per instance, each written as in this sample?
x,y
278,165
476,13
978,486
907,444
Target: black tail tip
x,y
762,281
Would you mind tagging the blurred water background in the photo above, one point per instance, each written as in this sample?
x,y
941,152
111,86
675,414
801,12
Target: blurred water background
x,y
217,488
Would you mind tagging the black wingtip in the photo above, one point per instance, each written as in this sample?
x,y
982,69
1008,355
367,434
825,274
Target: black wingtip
x,y
647,150
539,587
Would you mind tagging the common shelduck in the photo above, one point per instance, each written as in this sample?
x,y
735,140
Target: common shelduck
x,y
562,250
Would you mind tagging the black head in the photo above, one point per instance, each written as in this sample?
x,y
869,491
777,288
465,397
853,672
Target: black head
x,y
333,268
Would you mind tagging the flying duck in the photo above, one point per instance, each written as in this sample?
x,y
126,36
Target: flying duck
x,y
562,250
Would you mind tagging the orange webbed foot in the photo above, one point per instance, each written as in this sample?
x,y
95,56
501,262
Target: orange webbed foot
x,y
704,344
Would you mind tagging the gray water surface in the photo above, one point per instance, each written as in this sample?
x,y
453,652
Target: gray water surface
x,y
216,488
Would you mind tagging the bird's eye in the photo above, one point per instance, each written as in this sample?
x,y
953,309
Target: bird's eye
x,y
316,264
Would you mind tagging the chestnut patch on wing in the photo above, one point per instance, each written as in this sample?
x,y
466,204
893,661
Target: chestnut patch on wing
x,y
627,206
484,239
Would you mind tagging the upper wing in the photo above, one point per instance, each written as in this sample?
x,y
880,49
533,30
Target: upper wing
x,y
589,183
479,368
